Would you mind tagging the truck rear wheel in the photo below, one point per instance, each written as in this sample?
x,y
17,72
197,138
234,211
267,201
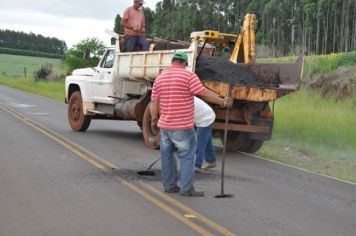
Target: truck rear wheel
x,y
235,140
251,145
152,139
77,120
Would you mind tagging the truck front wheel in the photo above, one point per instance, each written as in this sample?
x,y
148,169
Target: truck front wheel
x,y
151,137
77,120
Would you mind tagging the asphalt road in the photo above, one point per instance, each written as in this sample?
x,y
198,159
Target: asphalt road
x,y
48,187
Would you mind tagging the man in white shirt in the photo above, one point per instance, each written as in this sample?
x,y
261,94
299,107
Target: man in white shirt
x,y
204,118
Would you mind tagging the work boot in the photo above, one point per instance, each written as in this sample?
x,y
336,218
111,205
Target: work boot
x,y
208,166
193,193
175,189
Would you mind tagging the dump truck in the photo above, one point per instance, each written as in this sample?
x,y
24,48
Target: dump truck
x,y
119,87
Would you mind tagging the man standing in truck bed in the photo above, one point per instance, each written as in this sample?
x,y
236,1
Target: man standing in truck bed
x,y
133,21
173,94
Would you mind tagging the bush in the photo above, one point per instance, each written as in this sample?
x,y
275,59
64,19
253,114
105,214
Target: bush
x,y
43,72
325,63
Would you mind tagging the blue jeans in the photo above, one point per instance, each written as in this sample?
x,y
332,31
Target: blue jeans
x,y
205,147
132,41
184,143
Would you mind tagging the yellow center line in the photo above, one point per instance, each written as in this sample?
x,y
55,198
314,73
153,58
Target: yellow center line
x,y
48,134
106,166
187,209
165,207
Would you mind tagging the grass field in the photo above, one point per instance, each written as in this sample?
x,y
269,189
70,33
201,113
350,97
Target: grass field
x,y
51,89
310,132
314,133
13,65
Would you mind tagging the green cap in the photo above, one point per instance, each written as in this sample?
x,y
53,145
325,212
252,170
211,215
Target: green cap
x,y
181,55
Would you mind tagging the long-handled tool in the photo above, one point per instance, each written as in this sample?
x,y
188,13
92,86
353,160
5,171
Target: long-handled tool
x,y
148,171
222,193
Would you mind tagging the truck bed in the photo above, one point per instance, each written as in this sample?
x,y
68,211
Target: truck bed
x,y
258,82
273,80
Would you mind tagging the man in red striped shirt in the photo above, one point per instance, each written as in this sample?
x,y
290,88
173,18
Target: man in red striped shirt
x,y
173,94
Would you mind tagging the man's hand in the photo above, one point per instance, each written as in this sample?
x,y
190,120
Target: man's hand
x,y
227,102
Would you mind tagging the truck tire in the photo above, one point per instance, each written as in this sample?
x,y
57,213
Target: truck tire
x,y
152,140
251,145
77,120
235,140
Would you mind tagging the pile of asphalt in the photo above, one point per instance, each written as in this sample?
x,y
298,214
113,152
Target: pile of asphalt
x,y
222,70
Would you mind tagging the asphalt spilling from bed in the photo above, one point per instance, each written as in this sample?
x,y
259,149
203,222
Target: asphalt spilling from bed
x,y
221,70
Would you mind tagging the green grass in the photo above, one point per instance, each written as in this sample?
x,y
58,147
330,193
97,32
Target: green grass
x,y
314,133
13,65
329,121
51,89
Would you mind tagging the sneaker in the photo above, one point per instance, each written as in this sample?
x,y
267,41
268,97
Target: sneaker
x,y
193,193
197,169
175,189
208,166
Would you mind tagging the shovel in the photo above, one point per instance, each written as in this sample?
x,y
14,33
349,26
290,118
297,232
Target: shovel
x,y
222,193
148,171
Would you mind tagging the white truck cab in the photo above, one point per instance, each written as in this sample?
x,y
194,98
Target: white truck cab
x,y
119,87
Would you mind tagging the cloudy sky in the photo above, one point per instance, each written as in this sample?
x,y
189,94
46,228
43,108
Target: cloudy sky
x,y
68,20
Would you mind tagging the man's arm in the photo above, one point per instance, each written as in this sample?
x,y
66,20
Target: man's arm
x,y
143,24
215,98
198,89
125,23
154,110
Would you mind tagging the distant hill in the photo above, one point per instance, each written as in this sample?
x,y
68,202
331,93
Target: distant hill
x,y
31,42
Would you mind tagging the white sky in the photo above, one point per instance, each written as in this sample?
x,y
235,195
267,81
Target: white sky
x,y
68,20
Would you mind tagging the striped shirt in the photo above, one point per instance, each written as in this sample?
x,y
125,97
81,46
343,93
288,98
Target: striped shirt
x,y
175,89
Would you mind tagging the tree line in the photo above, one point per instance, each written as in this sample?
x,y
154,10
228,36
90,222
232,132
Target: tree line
x,y
31,42
286,26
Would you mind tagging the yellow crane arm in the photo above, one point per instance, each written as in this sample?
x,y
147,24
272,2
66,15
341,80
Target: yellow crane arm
x,y
244,46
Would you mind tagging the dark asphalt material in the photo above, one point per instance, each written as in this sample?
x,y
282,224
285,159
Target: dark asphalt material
x,y
222,70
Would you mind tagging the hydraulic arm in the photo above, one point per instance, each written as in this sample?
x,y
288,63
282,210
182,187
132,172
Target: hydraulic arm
x,y
243,45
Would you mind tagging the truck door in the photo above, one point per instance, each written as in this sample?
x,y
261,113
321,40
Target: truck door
x,y
102,83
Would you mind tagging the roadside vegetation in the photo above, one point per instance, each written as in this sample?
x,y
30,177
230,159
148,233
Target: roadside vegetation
x,y
314,133
86,53
12,74
319,64
50,89
312,130
14,65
